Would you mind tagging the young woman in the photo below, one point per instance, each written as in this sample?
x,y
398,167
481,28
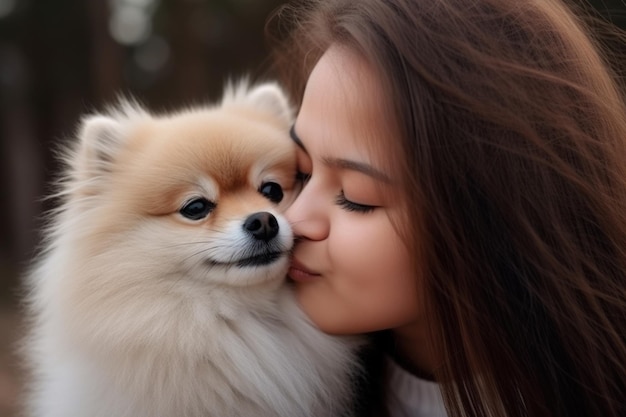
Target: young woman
x,y
464,201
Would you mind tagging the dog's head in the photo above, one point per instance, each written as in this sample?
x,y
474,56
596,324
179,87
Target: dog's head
x,y
196,194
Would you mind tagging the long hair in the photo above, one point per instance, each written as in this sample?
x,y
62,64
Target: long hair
x,y
513,156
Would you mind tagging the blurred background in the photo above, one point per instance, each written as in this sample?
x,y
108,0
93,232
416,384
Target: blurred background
x,y
60,59
63,58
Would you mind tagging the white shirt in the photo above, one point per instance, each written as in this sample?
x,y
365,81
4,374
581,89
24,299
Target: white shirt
x,y
410,396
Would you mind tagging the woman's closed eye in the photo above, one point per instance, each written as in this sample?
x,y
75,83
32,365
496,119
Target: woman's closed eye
x,y
348,205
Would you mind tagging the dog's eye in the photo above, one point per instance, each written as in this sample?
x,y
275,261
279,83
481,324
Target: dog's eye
x,y
272,190
197,209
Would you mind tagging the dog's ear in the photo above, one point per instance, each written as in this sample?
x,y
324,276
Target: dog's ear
x,y
271,97
102,136
267,97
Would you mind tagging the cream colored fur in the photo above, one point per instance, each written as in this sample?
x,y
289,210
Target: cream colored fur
x,y
138,311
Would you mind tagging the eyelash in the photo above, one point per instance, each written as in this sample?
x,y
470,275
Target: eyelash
x,y
341,199
348,205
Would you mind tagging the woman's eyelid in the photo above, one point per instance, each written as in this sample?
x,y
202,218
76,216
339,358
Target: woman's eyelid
x,y
349,205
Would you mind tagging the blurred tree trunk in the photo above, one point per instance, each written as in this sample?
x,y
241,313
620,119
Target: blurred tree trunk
x,y
106,60
21,161
190,73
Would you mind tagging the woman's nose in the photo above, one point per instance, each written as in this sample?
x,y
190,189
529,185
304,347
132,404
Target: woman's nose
x,y
309,215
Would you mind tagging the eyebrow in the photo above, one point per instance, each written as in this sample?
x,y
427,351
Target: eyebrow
x,y
344,163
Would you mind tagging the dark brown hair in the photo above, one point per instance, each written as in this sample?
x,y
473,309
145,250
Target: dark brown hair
x,y
513,154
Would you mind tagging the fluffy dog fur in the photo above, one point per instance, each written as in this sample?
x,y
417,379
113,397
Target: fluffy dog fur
x,y
161,290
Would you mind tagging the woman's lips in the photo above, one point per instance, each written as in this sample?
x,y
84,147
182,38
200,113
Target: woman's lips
x,y
300,273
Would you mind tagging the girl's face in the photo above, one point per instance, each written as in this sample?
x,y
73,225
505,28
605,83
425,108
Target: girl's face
x,y
352,271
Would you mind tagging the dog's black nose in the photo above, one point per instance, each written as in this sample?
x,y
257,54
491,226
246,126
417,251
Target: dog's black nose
x,y
261,225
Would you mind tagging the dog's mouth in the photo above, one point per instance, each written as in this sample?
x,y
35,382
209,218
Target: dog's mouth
x,y
259,260
262,259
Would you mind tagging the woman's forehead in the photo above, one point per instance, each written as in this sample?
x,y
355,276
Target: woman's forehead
x,y
345,103
348,77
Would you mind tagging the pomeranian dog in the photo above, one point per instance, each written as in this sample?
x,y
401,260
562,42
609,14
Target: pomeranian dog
x,y
161,287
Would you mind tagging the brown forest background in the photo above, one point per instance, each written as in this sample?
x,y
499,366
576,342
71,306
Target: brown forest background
x,y
63,58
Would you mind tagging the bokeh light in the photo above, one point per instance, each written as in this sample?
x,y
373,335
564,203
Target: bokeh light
x,y
7,7
130,22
